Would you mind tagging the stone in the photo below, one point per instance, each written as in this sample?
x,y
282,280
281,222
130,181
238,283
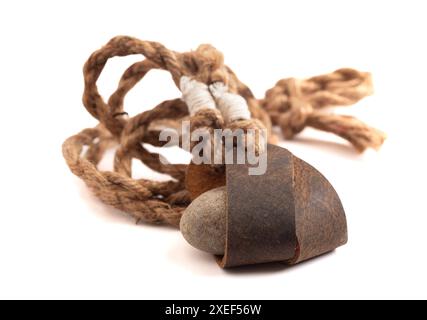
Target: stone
x,y
203,223
290,214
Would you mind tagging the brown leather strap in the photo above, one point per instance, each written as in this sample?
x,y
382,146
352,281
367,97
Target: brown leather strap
x,y
321,225
261,212
290,214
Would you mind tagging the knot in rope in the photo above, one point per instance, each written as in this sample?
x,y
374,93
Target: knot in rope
x,y
294,119
295,104
212,97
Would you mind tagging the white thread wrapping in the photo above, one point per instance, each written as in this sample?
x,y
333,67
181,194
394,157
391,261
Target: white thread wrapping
x,y
232,106
196,95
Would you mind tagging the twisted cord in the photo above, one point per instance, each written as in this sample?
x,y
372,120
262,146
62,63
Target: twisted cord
x,y
290,104
295,104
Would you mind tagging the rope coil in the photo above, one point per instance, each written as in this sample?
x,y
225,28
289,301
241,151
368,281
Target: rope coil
x,y
213,97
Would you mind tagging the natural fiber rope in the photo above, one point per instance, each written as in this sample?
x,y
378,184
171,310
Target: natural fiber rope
x,y
294,104
291,104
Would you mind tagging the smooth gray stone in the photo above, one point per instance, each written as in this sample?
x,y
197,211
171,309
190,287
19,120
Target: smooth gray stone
x,y
203,223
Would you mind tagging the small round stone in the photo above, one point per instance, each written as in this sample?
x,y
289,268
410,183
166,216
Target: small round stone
x,y
203,223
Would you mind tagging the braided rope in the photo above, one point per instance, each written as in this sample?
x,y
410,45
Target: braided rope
x,y
294,104
289,104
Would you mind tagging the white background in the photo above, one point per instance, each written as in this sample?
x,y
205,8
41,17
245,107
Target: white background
x,y
58,241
